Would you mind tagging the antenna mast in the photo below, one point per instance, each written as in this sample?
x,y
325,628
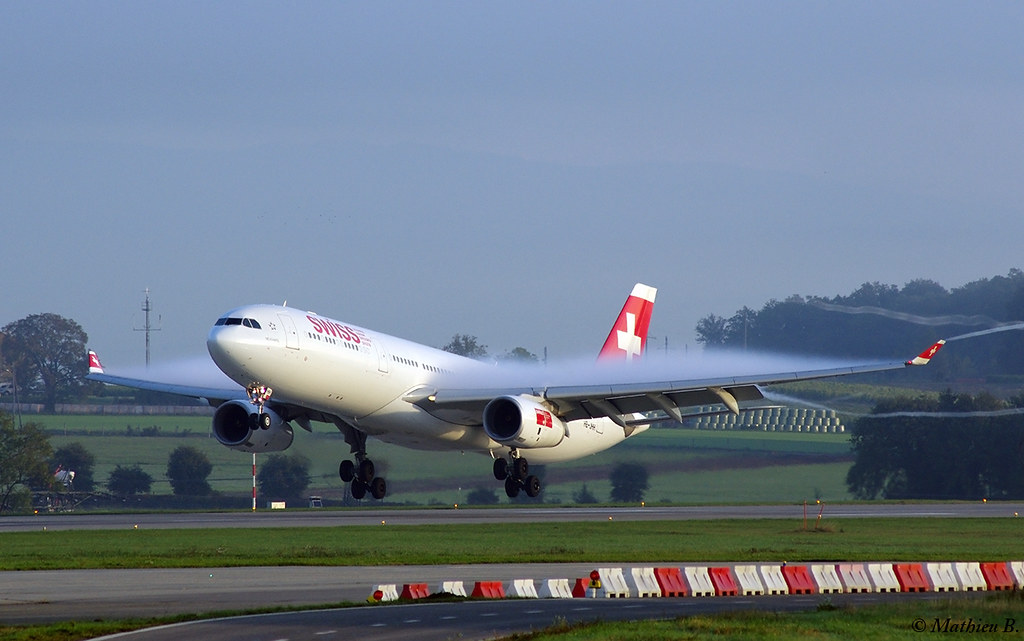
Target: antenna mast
x,y
147,307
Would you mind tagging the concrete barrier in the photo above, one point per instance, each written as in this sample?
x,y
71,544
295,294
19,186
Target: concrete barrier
x,y
644,583
774,582
555,589
798,579
488,590
1017,570
384,592
522,589
581,589
723,581
911,577
670,580
457,588
749,583
826,578
997,576
853,577
969,576
613,584
883,579
942,577
414,591
699,581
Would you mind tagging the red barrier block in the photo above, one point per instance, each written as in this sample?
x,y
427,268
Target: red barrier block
x,y
488,590
911,577
997,576
798,579
414,591
670,580
722,579
579,591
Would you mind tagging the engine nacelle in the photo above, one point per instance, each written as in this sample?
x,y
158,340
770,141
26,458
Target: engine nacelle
x,y
522,421
232,427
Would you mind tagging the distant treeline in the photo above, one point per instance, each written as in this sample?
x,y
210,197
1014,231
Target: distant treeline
x,y
958,447
885,321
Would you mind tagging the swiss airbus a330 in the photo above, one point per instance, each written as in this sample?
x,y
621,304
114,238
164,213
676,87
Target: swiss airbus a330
x,y
292,366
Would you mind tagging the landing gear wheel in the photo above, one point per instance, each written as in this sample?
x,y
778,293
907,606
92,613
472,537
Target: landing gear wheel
x,y
264,421
521,468
347,471
500,469
512,487
358,490
532,486
378,488
366,471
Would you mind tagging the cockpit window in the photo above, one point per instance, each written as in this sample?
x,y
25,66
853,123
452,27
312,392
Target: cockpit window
x,y
247,322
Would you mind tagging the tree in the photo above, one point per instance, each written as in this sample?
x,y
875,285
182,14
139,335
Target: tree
x,y
129,480
24,451
711,331
74,457
629,482
482,496
584,496
466,345
283,477
187,469
47,353
519,354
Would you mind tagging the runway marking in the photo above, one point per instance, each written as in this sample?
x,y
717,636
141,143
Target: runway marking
x,y
489,614
378,625
449,618
412,621
325,632
535,611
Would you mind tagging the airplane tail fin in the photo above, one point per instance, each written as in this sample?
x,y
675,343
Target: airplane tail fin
x,y
94,363
628,337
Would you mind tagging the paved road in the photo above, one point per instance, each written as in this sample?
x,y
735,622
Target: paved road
x,y
476,619
340,518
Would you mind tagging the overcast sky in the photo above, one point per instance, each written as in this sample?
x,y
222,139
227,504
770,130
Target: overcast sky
x,y
507,170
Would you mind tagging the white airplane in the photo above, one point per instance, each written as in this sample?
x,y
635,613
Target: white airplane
x,y
292,366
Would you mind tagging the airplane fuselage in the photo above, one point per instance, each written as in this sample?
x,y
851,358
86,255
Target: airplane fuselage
x,y
366,378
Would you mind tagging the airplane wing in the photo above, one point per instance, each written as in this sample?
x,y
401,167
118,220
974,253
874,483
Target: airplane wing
x,y
614,401
212,385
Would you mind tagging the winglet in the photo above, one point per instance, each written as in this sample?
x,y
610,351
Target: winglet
x,y
628,337
927,354
94,363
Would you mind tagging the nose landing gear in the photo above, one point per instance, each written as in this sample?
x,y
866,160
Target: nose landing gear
x,y
259,395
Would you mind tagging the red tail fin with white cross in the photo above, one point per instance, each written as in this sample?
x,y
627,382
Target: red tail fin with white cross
x,y
628,338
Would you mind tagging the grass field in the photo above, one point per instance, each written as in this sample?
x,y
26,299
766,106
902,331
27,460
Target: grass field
x,y
613,542
686,466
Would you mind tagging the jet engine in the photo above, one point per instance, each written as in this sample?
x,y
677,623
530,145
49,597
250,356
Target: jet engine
x,y
234,425
522,421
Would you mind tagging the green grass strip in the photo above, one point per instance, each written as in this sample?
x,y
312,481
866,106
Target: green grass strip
x,y
889,539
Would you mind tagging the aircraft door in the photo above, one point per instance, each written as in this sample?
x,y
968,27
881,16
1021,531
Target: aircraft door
x,y
291,336
382,357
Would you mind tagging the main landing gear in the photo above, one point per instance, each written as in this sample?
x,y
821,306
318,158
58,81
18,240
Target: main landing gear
x,y
363,478
515,471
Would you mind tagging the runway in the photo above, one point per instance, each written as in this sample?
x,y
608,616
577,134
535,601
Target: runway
x,y
399,516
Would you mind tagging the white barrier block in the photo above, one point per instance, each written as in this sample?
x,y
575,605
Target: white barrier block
x,y
970,577
613,584
853,577
746,577
827,579
699,581
521,588
388,590
644,582
1017,570
942,577
883,577
555,589
452,587
774,582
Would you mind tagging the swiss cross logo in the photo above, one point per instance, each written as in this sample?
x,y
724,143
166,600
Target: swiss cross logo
x,y
629,341
544,418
